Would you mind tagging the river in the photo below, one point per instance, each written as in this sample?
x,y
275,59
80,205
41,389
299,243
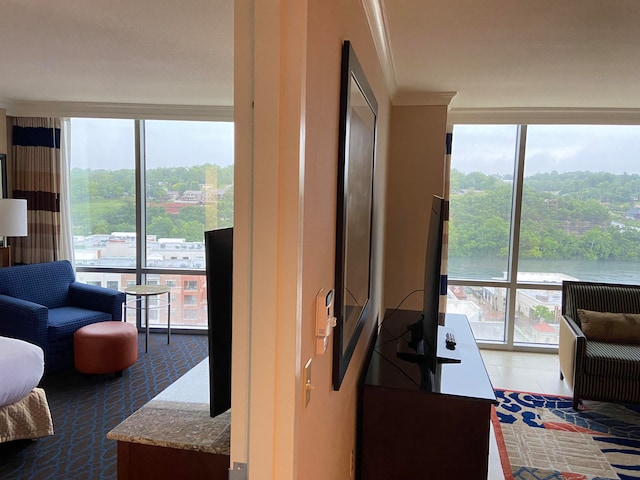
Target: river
x,y
495,268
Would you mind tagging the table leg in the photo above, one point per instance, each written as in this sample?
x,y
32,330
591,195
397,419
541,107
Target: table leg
x,y
146,323
168,318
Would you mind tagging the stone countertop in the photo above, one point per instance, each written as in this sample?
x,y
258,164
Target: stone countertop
x,y
179,418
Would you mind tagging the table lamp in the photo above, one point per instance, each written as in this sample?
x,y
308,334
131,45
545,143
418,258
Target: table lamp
x,y
13,223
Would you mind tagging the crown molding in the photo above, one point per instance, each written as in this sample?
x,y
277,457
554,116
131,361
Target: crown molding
x,y
118,110
374,11
423,98
532,116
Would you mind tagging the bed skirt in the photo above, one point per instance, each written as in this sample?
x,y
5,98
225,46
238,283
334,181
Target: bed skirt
x,y
26,418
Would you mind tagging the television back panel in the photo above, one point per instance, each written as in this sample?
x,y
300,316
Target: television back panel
x,y
219,263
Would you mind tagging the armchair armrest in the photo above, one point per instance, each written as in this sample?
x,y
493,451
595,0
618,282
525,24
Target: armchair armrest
x,y
93,297
571,349
24,320
573,326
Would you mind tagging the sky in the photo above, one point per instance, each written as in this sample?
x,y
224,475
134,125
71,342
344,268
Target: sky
x,y
567,148
486,148
110,143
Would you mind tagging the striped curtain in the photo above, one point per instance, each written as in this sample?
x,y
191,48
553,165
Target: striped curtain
x,y
36,167
444,269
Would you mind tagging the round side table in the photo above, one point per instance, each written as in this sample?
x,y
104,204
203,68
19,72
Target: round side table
x,y
146,291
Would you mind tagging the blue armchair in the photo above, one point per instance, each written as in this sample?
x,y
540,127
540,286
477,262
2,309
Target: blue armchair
x,y
44,304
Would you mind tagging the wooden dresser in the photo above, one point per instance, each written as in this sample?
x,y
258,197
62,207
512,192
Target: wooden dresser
x,y
408,433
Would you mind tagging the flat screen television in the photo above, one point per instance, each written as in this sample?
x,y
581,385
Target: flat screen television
x,y
219,264
423,344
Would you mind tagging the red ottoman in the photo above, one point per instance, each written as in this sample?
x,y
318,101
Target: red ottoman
x,y
105,347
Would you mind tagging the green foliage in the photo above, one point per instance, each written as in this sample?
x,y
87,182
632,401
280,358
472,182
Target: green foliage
x,y
225,209
576,215
542,313
103,201
162,227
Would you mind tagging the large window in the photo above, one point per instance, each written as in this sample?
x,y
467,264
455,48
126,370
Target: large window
x,y
162,181
532,206
103,192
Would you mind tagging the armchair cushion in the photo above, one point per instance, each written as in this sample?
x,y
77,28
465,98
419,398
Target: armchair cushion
x,y
610,326
611,360
64,321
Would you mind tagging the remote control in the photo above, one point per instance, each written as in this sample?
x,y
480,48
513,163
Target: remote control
x,y
450,341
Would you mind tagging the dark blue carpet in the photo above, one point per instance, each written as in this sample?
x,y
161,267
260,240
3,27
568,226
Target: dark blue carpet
x,y
85,408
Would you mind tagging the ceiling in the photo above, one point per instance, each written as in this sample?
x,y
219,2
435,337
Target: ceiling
x,y
176,52
493,53
514,53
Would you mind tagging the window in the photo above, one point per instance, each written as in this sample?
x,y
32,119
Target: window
x,y
188,192
103,212
190,314
531,206
186,183
190,285
113,284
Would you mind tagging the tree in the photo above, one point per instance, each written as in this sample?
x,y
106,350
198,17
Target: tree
x,y
103,201
101,227
540,312
162,227
597,244
192,214
192,231
225,210
564,216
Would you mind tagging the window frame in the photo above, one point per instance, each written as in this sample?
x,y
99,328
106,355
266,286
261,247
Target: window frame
x,y
524,118
141,269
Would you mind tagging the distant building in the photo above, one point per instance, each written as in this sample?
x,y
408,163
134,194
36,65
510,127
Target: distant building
x,y
542,332
633,213
192,196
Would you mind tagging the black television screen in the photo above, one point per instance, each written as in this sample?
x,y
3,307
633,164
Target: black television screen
x,y
422,348
219,263
433,284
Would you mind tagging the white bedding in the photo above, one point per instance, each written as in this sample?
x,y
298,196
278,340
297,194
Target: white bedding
x,y
21,368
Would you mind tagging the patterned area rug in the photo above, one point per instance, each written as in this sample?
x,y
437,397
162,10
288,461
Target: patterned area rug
x,y
84,408
543,437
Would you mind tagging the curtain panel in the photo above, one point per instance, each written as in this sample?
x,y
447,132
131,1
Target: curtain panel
x,y
36,176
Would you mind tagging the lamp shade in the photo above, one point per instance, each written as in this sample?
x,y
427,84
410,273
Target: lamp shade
x,y
13,217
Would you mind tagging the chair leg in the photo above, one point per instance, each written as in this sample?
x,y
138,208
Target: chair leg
x,y
561,375
576,401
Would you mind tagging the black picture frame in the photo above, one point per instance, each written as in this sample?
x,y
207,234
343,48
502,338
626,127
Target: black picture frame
x,y
3,173
354,216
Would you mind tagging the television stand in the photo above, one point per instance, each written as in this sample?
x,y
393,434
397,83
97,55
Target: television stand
x,y
406,432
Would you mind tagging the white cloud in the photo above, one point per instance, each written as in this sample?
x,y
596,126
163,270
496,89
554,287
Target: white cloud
x,y
491,148
110,143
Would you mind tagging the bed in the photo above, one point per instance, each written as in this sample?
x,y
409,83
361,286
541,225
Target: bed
x,y
24,411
